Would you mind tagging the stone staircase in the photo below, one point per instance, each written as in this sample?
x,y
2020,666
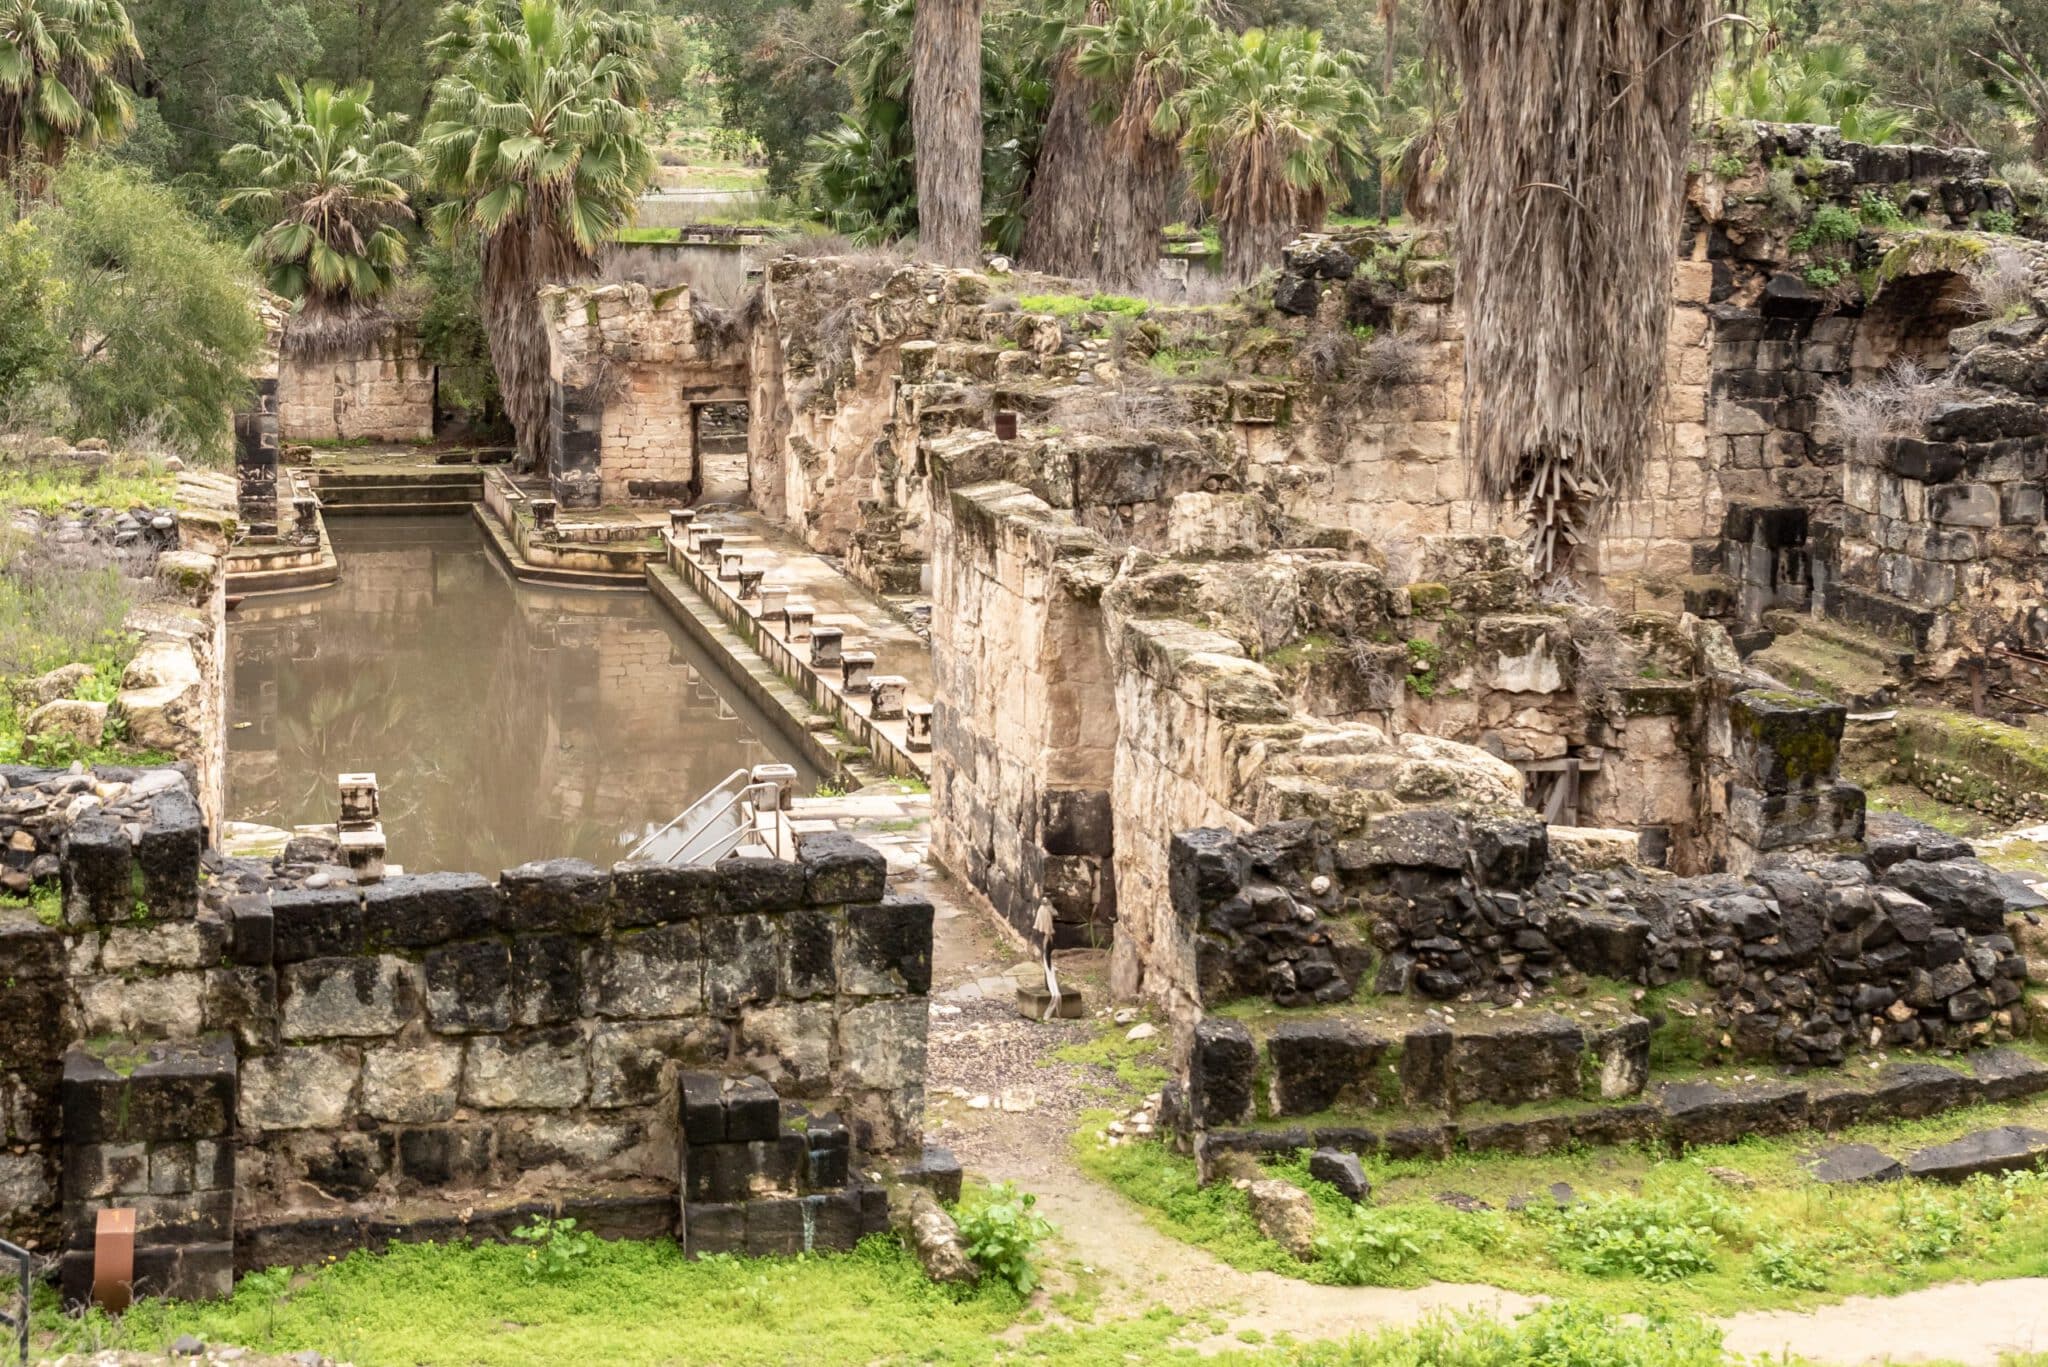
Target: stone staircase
x,y
399,489
1854,667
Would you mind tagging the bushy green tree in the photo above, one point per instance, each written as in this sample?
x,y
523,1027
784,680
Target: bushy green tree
x,y
156,318
202,58
535,137
29,343
327,178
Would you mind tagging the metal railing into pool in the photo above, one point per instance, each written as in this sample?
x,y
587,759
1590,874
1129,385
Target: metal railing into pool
x,y
748,808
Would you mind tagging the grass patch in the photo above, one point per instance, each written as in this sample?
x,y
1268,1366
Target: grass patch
x,y
1138,1066
1646,1230
50,487
623,1303
1071,305
45,902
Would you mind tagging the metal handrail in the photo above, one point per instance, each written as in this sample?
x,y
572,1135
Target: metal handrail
x,y
751,801
19,1323
721,821
740,776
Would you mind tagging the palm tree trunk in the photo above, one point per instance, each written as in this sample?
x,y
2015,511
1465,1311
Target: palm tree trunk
x,y
1390,12
518,260
1065,205
945,118
1134,206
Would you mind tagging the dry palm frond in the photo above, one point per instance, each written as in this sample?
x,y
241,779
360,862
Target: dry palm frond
x,y
1573,134
336,331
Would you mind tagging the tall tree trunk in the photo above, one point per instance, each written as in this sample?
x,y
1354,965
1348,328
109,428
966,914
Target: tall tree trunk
x,y
1134,207
1390,12
1254,243
518,260
1065,206
945,121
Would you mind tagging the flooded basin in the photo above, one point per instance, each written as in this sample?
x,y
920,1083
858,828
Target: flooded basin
x,y
505,721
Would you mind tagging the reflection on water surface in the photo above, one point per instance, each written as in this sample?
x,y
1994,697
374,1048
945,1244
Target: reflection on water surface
x,y
505,722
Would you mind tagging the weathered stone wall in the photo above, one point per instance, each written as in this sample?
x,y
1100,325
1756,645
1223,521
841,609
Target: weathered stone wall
x,y
1024,717
431,1049
386,393
628,366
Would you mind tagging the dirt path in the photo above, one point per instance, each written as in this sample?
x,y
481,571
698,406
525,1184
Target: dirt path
x,y
1009,1116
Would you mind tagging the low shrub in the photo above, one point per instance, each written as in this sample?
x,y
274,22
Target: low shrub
x,y
555,1248
1002,1232
1630,1236
1364,1249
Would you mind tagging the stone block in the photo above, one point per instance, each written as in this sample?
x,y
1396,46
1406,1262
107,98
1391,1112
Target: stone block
x,y
95,1171
2008,1148
711,1228
305,1088
1318,1063
251,929
1077,821
412,1081
654,894
167,851
1700,1113
1963,894
775,1227
445,1155
1341,1170
316,923
1221,1069
886,948
761,884
702,1096
469,986
810,938
790,1044
416,910
128,1093
1517,1061
657,972
1839,1164
2008,1075
882,1044
560,895
742,955
835,1223
330,998
537,1069
1785,741
97,864
546,979
630,1063
840,870
752,1110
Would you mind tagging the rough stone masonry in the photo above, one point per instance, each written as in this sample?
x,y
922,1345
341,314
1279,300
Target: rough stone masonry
x,y
271,1063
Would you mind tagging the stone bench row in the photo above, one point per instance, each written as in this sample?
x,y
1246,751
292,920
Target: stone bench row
x,y
1681,1114
1311,1066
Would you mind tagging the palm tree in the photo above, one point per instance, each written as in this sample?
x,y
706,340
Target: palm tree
x,y
60,88
327,175
1810,83
535,137
945,120
1415,129
1141,60
1574,130
1065,201
1271,129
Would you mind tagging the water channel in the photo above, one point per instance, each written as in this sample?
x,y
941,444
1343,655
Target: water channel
x,y
505,722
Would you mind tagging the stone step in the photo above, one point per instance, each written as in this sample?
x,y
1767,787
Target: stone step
x,y
436,495
1377,1057
1889,655
465,476
1880,614
1823,666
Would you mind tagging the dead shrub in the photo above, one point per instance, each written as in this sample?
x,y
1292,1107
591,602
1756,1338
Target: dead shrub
x,y
1896,403
64,601
1389,359
2003,285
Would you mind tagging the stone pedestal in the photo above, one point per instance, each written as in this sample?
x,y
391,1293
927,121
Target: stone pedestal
x,y
796,623
729,564
856,669
1784,792
885,696
256,447
825,647
917,728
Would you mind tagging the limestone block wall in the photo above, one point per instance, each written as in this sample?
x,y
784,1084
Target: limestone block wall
x,y
1024,717
383,393
437,1052
628,365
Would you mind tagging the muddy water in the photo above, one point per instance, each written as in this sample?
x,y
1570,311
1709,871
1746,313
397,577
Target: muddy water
x,y
505,722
